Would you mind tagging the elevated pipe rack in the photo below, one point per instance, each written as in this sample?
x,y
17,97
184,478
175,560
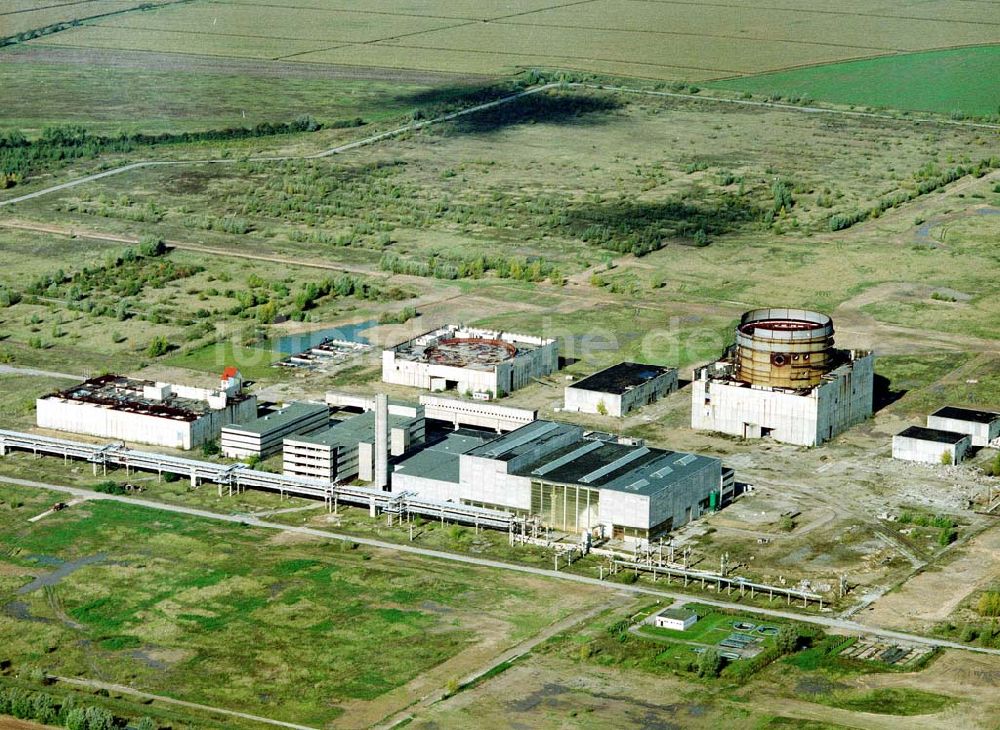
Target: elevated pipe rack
x,y
741,584
239,477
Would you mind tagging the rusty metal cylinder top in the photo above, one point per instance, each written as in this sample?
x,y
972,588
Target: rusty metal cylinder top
x,y
784,348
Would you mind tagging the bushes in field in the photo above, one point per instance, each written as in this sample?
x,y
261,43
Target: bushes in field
x,y
109,487
101,289
443,265
989,604
926,180
401,317
20,157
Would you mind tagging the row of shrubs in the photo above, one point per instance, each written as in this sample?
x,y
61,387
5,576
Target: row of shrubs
x,y
926,184
20,156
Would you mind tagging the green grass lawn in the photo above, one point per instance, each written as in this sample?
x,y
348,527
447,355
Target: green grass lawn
x,y
232,617
888,701
255,363
711,627
957,80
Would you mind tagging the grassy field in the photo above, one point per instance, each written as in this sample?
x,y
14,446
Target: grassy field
x,y
175,94
514,185
217,614
963,82
19,16
106,309
659,40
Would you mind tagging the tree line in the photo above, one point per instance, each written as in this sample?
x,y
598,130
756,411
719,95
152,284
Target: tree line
x,y
21,156
63,712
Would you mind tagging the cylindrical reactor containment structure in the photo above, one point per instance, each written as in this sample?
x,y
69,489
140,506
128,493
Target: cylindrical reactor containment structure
x,y
784,348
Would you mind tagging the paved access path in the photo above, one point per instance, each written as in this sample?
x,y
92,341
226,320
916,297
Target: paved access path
x,y
827,622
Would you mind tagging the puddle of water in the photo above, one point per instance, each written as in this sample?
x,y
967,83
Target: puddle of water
x,y
64,569
294,344
19,610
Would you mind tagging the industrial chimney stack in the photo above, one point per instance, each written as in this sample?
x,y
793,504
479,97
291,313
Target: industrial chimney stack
x,y
381,441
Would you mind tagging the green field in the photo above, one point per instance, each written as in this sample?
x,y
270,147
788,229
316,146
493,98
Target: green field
x,y
175,93
629,38
18,16
238,618
964,82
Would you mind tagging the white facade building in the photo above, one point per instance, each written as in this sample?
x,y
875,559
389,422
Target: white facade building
x,y
347,449
982,426
930,445
477,362
806,417
620,389
677,619
142,411
573,481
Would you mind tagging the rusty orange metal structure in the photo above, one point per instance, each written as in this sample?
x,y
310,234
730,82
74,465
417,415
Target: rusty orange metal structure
x,y
784,348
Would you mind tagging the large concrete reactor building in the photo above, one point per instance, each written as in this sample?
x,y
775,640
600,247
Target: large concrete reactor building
x,y
783,378
483,363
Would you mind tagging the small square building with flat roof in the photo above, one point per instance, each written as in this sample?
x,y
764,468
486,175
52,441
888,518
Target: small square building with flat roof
x,y
930,445
620,389
982,426
678,619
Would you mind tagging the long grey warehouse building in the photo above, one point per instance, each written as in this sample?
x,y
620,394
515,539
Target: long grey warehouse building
x,y
573,480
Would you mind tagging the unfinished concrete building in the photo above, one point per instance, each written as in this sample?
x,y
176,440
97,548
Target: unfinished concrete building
x,y
930,445
147,412
983,427
482,363
457,412
783,378
574,481
348,449
262,436
620,389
